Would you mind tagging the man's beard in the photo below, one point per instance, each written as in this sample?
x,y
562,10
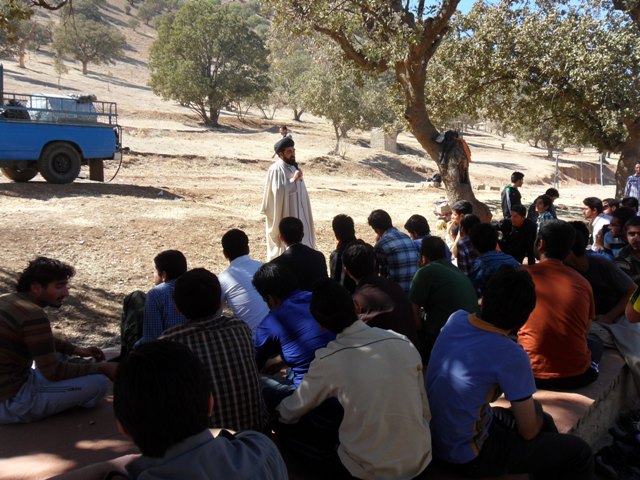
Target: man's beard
x,y
291,160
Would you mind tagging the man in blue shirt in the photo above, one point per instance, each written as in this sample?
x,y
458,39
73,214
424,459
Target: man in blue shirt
x,y
396,253
160,311
473,361
484,238
289,330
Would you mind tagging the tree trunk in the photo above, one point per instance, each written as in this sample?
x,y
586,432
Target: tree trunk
x,y
84,67
297,114
336,149
549,150
21,58
411,74
629,155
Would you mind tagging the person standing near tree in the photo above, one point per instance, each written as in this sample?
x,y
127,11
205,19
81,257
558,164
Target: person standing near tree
x,y
510,196
285,195
632,188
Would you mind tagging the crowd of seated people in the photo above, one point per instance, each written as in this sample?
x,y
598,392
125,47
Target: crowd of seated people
x,y
358,369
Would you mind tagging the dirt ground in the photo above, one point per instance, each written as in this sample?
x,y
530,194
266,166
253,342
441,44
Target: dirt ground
x,y
184,185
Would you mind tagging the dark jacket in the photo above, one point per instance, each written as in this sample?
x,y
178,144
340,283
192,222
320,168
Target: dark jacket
x,y
307,264
518,242
510,196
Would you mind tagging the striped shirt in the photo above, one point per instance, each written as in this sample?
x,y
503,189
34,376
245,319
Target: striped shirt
x,y
25,337
225,348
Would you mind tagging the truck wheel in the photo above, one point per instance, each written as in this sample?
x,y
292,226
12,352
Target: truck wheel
x,y
19,174
59,163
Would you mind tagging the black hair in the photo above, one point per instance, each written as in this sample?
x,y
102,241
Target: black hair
x,y
484,237
43,270
579,247
161,396
235,243
417,224
624,214
508,298
546,200
516,177
276,280
632,222
197,294
519,209
380,220
611,202
593,202
360,259
343,228
433,248
171,262
558,238
332,305
463,207
581,228
552,192
468,222
291,230
631,202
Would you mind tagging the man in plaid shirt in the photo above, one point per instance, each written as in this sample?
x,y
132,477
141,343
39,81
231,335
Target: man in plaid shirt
x,y
632,188
396,254
225,348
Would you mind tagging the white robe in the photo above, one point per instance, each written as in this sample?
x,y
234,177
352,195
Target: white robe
x,y
284,197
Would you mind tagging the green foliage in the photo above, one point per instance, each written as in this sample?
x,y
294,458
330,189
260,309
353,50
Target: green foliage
x,y
88,41
150,9
12,12
87,9
206,58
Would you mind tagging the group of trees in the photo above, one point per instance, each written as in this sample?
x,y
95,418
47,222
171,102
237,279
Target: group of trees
x,y
555,71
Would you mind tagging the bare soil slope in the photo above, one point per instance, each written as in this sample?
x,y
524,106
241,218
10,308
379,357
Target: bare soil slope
x,y
184,185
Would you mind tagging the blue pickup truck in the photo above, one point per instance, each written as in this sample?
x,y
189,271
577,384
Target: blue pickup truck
x,y
55,135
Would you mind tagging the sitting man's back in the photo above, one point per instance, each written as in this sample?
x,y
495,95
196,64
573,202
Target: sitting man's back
x,y
237,290
162,401
472,363
377,377
224,346
555,336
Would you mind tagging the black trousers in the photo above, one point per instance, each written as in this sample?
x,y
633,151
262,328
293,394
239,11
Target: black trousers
x,y
549,456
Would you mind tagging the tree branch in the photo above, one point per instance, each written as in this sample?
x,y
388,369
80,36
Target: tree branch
x,y
350,51
50,6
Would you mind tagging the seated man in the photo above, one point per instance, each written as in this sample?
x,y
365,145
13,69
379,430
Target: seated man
x,y
459,210
439,289
532,214
611,287
235,282
162,401
225,348
484,239
307,264
418,228
396,254
463,248
27,393
380,302
593,213
473,361
613,239
289,329
345,232
555,336
377,377
628,259
159,310
518,235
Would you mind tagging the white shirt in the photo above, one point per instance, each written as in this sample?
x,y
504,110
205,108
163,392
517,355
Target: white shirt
x,y
600,221
239,293
377,377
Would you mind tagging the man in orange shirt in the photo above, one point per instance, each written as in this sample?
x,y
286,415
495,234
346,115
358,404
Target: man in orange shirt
x,y
555,336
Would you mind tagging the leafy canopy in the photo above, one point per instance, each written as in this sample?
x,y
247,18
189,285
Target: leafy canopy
x,y
206,57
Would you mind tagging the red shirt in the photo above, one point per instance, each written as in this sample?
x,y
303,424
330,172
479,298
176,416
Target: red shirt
x,y
555,336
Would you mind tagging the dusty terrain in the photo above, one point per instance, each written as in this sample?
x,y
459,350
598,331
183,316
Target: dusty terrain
x,y
184,185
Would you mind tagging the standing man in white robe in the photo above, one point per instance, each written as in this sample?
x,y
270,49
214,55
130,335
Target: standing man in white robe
x,y
285,195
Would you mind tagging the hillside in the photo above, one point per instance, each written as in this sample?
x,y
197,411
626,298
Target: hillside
x,y
184,185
